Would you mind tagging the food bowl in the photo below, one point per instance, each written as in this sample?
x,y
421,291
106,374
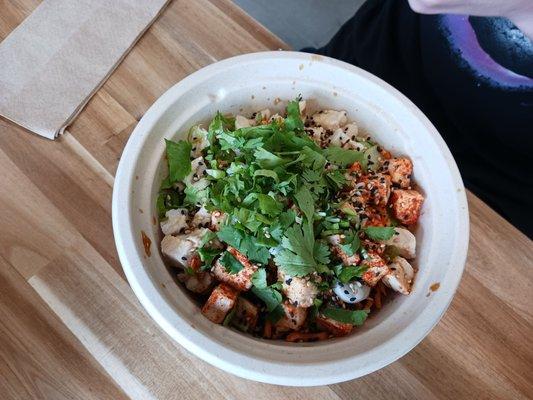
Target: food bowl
x,y
249,83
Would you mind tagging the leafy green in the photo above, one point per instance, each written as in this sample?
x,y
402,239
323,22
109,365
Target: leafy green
x,y
267,160
268,205
230,263
245,244
351,244
293,120
379,233
356,317
343,157
259,279
271,297
179,159
267,172
208,255
297,256
306,203
348,273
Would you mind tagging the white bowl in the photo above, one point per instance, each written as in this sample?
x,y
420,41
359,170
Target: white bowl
x,y
253,82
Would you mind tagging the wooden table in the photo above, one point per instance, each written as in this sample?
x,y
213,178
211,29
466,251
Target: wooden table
x,y
71,328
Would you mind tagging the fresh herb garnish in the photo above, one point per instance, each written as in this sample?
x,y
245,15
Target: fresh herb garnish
x,y
356,317
379,233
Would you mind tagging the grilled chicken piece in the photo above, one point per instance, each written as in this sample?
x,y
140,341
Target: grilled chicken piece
x,y
180,249
404,241
400,276
300,291
175,222
330,119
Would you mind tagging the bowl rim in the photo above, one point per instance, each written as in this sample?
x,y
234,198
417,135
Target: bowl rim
x,y
268,371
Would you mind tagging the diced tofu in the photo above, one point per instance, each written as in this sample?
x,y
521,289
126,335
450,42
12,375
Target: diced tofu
x,y
202,218
376,216
217,217
198,168
404,241
400,170
246,315
293,319
379,188
336,241
400,276
197,283
243,122
219,303
175,222
243,279
336,328
198,139
180,249
406,205
300,291
330,119
377,269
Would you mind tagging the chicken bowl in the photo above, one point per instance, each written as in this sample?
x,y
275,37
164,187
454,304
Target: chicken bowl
x,y
271,81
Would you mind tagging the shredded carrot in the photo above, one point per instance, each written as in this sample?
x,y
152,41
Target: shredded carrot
x,y
306,337
267,332
368,304
377,298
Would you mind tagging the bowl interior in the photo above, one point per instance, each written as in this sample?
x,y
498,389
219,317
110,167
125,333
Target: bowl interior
x,y
268,80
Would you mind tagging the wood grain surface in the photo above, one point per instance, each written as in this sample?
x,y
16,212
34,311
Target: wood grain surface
x,y
71,328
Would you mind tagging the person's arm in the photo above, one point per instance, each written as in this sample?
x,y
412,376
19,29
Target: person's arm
x,y
520,12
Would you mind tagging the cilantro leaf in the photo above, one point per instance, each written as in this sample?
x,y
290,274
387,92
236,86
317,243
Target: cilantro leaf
x,y
297,256
336,179
231,236
266,159
379,233
207,256
271,297
230,263
356,317
351,244
313,159
259,279
276,314
267,172
293,120
321,252
179,159
306,203
268,205
253,250
343,157
348,273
